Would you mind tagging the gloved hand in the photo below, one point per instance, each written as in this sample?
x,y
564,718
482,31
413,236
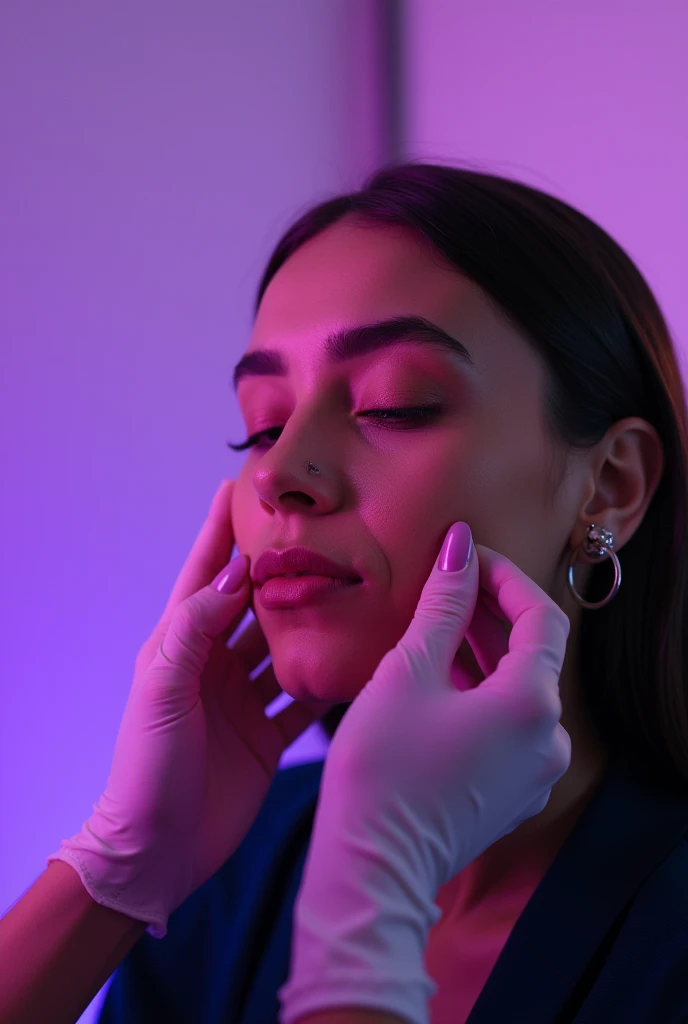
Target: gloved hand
x,y
195,754
422,775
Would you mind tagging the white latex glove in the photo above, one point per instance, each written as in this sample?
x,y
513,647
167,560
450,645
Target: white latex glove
x,y
195,754
420,778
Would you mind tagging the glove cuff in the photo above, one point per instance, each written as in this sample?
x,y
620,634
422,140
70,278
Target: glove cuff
x,y
131,881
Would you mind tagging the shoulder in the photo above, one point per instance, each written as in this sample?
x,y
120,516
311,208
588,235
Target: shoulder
x,y
646,968
663,897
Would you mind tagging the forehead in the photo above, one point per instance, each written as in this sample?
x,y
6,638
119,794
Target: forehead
x,y
356,272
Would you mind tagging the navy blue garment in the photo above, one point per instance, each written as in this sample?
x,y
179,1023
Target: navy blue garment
x,y
603,939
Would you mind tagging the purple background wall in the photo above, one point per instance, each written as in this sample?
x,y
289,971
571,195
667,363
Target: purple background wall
x,y
151,154
588,101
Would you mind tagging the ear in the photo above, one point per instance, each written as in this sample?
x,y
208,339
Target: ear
x,y
630,465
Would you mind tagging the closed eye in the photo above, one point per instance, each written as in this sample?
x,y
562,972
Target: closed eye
x,y
407,418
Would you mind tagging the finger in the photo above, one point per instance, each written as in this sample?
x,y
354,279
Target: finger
x,y
151,644
198,621
487,637
552,771
508,591
540,629
211,551
494,608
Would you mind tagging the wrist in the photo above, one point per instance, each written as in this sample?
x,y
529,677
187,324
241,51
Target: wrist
x,y
361,923
121,875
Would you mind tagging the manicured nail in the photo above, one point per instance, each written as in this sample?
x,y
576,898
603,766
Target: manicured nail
x,y
232,576
456,550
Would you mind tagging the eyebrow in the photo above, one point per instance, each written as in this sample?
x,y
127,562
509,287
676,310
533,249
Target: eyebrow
x,y
351,342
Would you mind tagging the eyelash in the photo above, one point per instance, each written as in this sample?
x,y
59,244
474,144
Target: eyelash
x,y
413,414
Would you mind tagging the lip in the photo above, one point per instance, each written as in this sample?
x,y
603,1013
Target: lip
x,y
282,561
278,592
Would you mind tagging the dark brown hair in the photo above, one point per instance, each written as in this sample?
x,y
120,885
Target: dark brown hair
x,y
578,298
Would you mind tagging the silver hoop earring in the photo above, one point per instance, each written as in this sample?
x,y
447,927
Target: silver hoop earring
x,y
312,468
598,543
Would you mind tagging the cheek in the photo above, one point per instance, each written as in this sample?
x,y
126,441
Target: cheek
x,y
499,493
242,515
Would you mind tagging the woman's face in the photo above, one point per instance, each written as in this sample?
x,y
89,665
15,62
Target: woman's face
x,y
386,494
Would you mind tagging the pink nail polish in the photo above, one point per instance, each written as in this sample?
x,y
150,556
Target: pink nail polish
x,y
232,576
457,548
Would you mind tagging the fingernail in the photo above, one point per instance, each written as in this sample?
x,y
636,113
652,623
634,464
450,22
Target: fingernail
x,y
456,550
232,576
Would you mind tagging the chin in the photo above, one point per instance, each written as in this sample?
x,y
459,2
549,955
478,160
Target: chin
x,y
303,679
327,658
318,691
